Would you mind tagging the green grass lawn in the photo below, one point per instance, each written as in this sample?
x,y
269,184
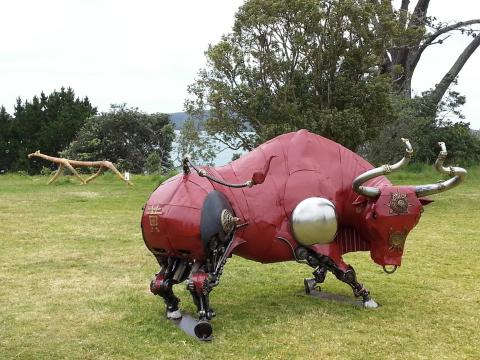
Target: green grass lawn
x,y
74,283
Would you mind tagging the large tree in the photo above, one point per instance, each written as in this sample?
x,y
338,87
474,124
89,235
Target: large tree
x,y
5,147
46,123
126,137
296,64
326,65
405,52
436,114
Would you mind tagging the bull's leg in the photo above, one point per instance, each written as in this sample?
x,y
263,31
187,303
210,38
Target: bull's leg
x,y
172,272
319,277
199,288
323,263
349,277
163,287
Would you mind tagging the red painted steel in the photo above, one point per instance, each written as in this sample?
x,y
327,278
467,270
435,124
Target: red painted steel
x,y
304,165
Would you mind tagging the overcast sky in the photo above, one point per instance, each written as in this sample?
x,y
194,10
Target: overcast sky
x,y
145,53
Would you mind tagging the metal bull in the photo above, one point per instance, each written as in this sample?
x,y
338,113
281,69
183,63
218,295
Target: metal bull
x,y
310,200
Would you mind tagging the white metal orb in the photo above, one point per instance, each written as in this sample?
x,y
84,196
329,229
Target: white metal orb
x,y
314,221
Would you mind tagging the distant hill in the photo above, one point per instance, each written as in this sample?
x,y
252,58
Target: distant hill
x,y
178,118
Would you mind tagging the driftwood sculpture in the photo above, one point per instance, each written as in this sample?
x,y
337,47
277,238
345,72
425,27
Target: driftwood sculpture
x,y
71,164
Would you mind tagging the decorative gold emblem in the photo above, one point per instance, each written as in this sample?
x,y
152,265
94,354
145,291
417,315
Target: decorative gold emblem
x,y
397,240
154,210
398,203
153,220
228,221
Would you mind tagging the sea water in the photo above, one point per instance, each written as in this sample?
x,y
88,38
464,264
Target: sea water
x,y
224,156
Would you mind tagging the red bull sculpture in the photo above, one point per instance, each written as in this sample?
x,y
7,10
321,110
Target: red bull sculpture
x,y
309,199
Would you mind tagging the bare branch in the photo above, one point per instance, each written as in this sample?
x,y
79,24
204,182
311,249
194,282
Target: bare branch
x,y
450,76
431,38
230,146
440,41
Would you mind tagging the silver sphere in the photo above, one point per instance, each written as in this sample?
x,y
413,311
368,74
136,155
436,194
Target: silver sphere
x,y
314,221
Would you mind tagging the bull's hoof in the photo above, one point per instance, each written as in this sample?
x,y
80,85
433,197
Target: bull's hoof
x,y
203,330
310,284
370,304
173,315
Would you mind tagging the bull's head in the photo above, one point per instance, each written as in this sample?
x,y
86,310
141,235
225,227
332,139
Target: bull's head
x,y
390,212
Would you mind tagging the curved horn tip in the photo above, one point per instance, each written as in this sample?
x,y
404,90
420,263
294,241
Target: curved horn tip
x,y
407,142
442,146
409,149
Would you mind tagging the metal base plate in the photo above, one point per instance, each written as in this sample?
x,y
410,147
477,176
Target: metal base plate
x,y
202,330
336,298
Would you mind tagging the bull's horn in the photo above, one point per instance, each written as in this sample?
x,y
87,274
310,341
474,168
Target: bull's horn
x,y
458,174
373,192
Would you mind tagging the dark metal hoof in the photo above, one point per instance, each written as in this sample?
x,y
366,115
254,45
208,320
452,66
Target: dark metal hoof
x,y
200,330
203,330
309,285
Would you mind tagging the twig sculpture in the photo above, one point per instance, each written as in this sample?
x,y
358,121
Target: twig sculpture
x,y
71,164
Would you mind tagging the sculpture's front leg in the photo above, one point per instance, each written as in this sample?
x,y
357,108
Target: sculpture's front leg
x,y
319,275
323,263
350,277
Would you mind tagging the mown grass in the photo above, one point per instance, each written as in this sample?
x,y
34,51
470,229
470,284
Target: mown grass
x,y
74,276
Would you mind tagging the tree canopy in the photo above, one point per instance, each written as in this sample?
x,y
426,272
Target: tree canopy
x,y
127,137
417,30
296,64
6,153
333,67
46,123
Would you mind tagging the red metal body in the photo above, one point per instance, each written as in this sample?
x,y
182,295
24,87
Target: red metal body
x,y
304,165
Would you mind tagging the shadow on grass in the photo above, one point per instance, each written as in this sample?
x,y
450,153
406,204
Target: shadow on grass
x,y
242,311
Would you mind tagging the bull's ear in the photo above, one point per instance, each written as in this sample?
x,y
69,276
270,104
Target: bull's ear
x,y
425,201
259,177
360,200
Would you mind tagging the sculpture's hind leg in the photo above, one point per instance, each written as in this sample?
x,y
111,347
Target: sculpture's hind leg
x,y
200,286
172,272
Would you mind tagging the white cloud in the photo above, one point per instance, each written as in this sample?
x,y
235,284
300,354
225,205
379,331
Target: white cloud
x,y
144,53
